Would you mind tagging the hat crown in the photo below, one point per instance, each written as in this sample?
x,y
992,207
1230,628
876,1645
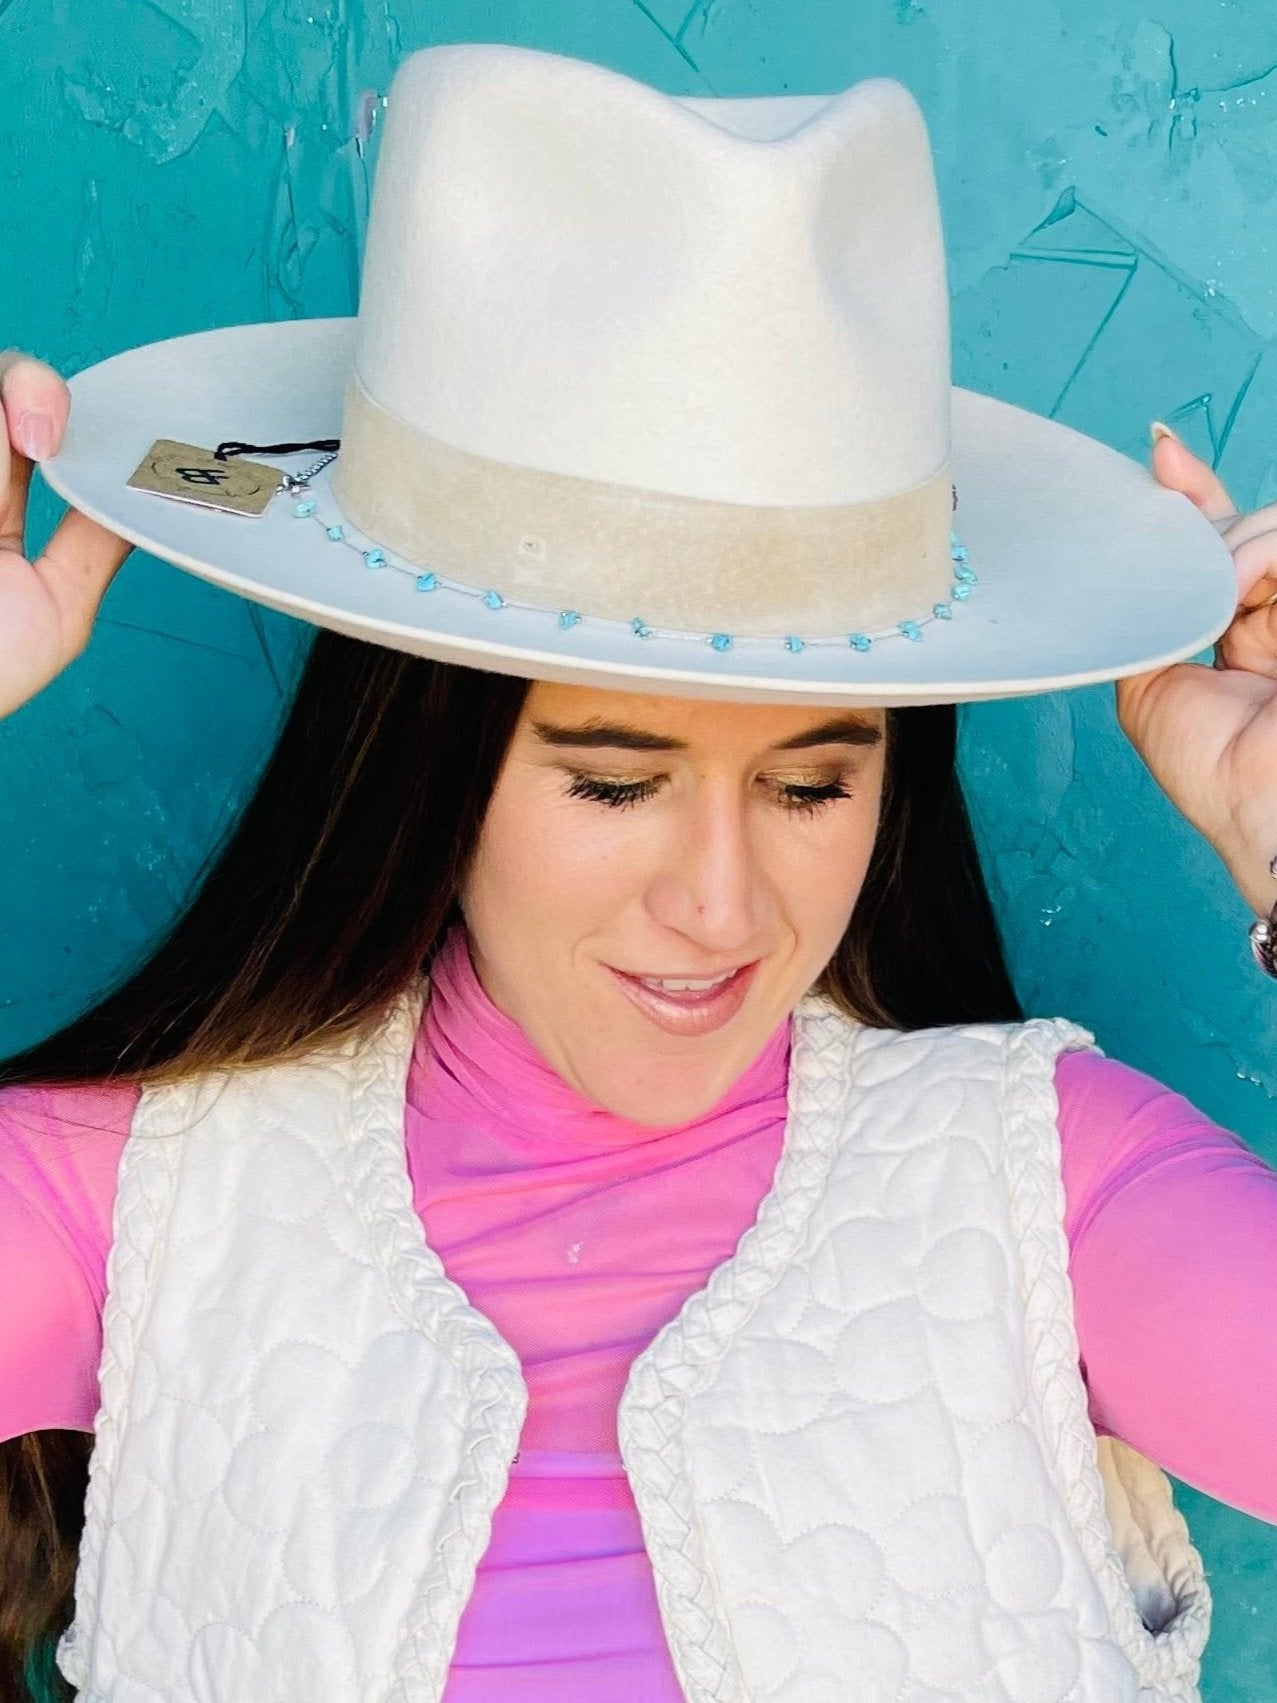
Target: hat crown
x,y
738,299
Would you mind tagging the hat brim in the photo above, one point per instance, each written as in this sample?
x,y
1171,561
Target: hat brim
x,y
1088,569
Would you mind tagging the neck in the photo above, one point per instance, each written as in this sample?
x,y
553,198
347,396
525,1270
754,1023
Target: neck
x,y
482,1056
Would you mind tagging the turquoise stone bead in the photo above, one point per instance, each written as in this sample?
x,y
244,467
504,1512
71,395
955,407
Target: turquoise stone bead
x,y
944,611
961,553
640,628
375,558
791,643
427,582
336,533
965,574
494,599
860,641
568,618
961,593
721,641
911,630
304,510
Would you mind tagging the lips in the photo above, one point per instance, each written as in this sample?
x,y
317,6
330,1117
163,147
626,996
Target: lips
x,y
679,1009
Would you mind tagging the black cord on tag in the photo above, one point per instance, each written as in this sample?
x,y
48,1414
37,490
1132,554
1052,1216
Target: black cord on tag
x,y
225,450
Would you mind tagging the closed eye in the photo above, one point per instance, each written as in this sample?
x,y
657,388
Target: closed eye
x,y
616,793
807,800
803,799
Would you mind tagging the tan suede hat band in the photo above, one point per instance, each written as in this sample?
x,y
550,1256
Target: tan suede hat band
x,y
604,550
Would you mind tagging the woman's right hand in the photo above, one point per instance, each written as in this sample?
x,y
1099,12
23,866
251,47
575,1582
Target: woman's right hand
x,y
47,607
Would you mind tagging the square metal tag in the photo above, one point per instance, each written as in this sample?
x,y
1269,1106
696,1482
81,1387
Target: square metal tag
x,y
194,475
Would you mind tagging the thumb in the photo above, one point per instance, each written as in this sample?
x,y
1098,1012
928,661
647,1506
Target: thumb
x,y
1176,467
78,564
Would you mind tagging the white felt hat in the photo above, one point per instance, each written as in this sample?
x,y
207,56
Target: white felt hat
x,y
654,392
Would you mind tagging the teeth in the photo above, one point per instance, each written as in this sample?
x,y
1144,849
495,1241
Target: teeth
x,y
669,984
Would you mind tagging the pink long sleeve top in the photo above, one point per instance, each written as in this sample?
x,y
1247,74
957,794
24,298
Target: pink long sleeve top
x,y
569,1228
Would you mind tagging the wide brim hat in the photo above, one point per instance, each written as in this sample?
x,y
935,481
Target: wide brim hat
x,y
652,393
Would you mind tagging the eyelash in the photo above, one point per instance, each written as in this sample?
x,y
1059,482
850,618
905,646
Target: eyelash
x,y
618,795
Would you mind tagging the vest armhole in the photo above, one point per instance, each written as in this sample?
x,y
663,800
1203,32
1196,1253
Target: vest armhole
x,y
1120,1504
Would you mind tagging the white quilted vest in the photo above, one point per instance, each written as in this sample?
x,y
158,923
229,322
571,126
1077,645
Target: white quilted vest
x,y
861,1453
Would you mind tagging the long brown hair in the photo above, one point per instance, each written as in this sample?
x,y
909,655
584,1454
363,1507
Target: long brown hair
x,y
332,893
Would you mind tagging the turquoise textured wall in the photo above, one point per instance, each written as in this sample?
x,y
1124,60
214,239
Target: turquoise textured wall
x,y
1109,182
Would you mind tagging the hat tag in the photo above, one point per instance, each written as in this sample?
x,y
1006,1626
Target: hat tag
x,y
213,480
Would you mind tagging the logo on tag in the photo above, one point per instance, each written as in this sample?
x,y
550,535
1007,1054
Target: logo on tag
x,y
194,475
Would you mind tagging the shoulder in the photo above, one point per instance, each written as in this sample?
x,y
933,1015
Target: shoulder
x,y
59,1155
1028,1046
60,1147
1120,1127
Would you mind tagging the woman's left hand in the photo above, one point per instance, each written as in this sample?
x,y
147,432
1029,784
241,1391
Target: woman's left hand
x,y
1209,735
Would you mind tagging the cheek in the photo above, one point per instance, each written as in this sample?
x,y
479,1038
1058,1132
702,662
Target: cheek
x,y
823,872
547,865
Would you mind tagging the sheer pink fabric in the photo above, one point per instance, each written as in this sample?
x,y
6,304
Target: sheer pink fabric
x,y
579,1235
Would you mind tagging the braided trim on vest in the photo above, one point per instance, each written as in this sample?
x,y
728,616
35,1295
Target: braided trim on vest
x,y
675,1364
379,1191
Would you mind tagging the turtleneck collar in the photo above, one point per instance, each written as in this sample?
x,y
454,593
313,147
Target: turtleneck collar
x,y
475,1055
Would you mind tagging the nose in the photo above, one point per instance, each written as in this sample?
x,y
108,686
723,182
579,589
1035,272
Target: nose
x,y
712,886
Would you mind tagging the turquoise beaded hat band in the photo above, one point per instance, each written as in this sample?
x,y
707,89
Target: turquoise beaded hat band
x,y
337,529
373,556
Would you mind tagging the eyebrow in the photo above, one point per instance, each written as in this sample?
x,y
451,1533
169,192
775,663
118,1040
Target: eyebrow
x,y
594,735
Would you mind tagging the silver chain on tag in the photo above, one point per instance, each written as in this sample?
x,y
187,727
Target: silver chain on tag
x,y
294,482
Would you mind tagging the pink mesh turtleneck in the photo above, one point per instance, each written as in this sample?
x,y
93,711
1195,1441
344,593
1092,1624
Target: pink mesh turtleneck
x,y
579,1235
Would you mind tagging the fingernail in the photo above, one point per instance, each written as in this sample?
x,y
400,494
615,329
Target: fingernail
x,y
35,434
1157,431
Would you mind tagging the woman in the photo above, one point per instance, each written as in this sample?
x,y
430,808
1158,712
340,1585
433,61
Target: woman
x,y
855,1433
